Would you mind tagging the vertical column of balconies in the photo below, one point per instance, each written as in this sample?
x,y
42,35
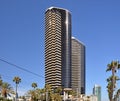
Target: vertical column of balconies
x,y
58,47
53,48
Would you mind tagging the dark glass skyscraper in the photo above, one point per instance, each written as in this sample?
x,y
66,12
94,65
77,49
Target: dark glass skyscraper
x,y
58,47
78,66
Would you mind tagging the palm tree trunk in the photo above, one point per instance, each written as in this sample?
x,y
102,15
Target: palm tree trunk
x,y
113,81
111,97
16,92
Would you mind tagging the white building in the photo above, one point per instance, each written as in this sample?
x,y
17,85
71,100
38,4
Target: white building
x,y
89,98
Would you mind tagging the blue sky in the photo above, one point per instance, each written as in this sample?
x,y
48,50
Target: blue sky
x,y
94,22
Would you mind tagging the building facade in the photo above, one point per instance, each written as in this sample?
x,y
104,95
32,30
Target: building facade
x,y
78,66
97,91
58,47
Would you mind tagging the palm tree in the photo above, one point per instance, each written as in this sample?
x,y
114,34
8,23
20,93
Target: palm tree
x,y
6,89
32,94
17,80
56,94
34,85
42,94
56,97
48,87
48,91
116,96
0,80
36,94
113,66
58,90
118,91
110,91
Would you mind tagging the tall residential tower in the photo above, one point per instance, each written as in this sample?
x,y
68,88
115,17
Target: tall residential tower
x,y
78,66
58,47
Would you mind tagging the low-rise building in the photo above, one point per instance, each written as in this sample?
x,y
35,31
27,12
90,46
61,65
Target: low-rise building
x,y
89,98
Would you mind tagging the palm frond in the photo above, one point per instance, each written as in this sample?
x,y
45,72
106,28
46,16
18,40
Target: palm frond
x,y
118,66
109,67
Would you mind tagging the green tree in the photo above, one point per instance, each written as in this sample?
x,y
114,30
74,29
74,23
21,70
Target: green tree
x,y
113,67
48,92
73,93
56,97
0,81
116,96
34,92
6,89
58,90
17,80
42,94
37,94
56,94
118,92
48,88
34,85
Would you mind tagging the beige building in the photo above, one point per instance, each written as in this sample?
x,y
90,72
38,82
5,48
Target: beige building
x,y
58,47
78,66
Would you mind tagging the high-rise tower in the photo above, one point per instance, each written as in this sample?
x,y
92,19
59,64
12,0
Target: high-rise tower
x,y
78,66
58,47
97,91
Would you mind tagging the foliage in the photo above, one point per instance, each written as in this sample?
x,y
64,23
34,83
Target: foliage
x,y
34,85
1,81
2,99
47,93
113,66
6,89
7,100
117,95
36,94
17,79
72,92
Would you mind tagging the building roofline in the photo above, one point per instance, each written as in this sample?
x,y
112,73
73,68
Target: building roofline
x,y
78,41
52,7
97,85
